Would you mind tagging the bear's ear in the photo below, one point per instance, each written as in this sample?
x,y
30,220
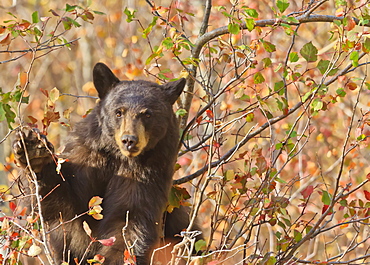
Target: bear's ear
x,y
104,79
174,89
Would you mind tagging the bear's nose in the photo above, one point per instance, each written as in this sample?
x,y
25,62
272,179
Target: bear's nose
x,y
129,141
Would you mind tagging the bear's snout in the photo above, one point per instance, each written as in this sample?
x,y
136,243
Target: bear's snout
x,y
129,141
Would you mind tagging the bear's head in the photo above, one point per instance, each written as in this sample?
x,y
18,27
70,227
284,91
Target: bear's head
x,y
136,115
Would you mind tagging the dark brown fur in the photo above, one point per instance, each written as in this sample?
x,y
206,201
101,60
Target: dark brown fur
x,y
124,151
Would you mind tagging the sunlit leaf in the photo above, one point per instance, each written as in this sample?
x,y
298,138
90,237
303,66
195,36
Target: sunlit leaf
x,y
234,28
108,242
282,5
86,227
94,201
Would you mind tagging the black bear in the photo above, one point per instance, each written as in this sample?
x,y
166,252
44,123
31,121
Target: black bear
x,y
123,151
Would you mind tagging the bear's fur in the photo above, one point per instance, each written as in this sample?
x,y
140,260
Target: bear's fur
x,y
124,151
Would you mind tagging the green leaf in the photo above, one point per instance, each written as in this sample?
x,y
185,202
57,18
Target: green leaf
x,y
2,112
70,8
249,117
98,12
326,198
249,23
354,58
324,65
317,104
309,52
168,43
181,112
293,57
266,62
130,15
35,17
251,12
279,87
258,78
200,245
297,236
341,92
282,5
234,28
268,46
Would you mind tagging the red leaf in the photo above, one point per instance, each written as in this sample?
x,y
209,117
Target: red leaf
x,y
368,176
367,195
324,208
12,206
307,192
108,242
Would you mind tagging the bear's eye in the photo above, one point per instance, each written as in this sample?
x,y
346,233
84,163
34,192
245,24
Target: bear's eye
x,y
147,114
119,113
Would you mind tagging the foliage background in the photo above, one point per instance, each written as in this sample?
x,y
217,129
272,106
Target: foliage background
x,y
240,195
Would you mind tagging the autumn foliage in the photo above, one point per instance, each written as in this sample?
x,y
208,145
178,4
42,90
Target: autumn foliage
x,y
273,157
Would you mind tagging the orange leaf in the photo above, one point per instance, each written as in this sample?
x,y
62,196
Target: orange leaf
x,y
351,86
5,40
210,114
2,29
94,201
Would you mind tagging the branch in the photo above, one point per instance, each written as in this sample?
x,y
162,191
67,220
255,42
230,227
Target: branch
x,y
245,140
41,48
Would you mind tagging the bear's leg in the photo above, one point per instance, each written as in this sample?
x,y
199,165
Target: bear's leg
x,y
33,147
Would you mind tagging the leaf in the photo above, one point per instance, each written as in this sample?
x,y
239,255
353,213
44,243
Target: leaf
x,y
354,58
249,23
98,259
34,250
200,245
54,95
282,5
351,86
293,57
130,15
233,28
367,195
326,198
5,39
181,112
309,52
266,62
249,117
307,191
70,8
341,92
317,104
86,227
258,78
94,201
268,46
251,12
35,17
108,242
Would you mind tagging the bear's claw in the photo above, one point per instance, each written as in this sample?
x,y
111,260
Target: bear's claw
x,y
32,147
